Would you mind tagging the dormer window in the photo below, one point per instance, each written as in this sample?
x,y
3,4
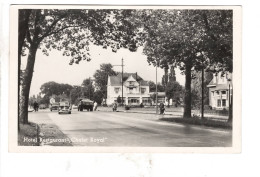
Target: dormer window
x,y
117,89
143,90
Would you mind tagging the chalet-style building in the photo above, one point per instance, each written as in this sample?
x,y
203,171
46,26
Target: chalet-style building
x,y
219,91
135,89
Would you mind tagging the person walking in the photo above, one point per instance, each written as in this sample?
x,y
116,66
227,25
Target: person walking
x,y
35,106
95,106
162,109
114,106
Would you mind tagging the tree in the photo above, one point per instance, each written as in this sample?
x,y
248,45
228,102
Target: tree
x,y
75,94
67,30
98,96
88,88
53,88
190,40
101,77
172,75
152,87
174,91
196,88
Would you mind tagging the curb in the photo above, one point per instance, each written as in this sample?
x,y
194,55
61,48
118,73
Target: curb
x,y
136,112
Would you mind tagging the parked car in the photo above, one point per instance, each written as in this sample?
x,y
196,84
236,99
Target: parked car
x,y
64,107
42,106
85,104
54,106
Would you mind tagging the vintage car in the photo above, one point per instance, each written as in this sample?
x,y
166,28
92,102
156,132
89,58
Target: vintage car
x,y
64,107
85,104
54,106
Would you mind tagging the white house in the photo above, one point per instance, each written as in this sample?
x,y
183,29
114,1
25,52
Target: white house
x,y
220,91
135,89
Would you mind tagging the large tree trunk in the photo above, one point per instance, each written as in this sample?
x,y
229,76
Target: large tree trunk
x,y
26,85
187,97
23,27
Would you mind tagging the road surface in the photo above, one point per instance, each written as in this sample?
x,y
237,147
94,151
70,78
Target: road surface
x,y
131,129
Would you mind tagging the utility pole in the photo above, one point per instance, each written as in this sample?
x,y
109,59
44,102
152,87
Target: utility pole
x,y
122,65
122,100
202,93
156,91
89,87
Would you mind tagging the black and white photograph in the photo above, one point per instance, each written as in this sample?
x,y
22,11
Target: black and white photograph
x,y
143,78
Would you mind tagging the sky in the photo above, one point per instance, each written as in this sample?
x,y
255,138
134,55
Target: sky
x,y
55,67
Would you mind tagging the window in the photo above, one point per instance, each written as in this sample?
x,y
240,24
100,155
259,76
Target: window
x,y
131,90
133,101
219,103
223,92
146,100
131,82
223,103
117,89
143,90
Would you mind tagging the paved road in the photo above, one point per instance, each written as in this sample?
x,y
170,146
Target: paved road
x,y
131,129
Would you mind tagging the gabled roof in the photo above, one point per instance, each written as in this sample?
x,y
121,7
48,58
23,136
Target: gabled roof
x,y
211,84
126,76
116,80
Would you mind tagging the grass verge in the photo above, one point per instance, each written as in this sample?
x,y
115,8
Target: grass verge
x,y
28,135
50,135
201,122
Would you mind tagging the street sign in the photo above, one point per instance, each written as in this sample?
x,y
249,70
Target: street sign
x,y
52,100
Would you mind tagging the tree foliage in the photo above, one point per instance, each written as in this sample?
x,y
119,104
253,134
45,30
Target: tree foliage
x,y
189,40
101,77
98,96
152,87
70,31
88,88
196,88
174,91
53,88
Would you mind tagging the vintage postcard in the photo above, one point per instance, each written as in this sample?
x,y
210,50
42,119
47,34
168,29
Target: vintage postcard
x,y
125,79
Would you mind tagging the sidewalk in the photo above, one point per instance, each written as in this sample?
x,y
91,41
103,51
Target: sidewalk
x,y
49,133
177,112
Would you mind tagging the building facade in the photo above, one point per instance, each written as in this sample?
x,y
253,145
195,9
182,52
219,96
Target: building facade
x,y
220,91
135,89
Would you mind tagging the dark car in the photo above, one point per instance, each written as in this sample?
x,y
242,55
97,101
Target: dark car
x,y
54,106
85,104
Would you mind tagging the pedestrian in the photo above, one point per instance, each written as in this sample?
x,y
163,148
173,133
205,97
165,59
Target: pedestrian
x,y
95,106
162,108
81,105
35,106
114,106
